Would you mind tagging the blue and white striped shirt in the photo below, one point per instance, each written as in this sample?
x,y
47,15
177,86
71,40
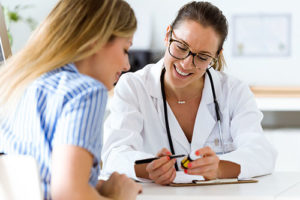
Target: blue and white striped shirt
x,y
60,107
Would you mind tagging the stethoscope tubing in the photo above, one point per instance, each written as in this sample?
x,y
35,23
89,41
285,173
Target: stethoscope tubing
x,y
166,112
217,109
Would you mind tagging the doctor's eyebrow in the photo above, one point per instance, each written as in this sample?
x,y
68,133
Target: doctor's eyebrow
x,y
201,52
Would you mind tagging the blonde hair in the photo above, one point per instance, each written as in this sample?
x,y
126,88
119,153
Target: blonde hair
x,y
220,65
74,30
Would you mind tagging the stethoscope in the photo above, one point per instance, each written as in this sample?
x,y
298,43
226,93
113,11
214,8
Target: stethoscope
x,y
217,109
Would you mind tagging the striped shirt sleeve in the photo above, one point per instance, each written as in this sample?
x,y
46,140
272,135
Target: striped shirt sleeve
x,y
81,121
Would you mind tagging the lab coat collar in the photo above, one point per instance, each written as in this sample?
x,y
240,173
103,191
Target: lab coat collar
x,y
153,82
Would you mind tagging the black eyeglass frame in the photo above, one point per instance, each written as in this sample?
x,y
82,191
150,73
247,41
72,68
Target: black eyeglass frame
x,y
214,60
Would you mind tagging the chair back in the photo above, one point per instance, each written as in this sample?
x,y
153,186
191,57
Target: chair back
x,y
19,178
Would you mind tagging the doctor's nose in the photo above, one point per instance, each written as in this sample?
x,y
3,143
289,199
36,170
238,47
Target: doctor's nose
x,y
188,62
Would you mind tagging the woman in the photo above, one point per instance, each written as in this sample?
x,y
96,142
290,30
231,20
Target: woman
x,y
54,93
174,107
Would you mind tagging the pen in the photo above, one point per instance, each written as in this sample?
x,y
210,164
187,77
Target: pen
x,y
147,160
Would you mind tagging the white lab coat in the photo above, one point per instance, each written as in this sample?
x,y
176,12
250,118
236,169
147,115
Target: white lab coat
x,y
135,128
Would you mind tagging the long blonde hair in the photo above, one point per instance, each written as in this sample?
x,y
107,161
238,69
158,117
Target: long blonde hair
x,y
74,30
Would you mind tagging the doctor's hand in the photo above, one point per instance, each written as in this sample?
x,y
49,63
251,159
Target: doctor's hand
x,y
207,165
162,171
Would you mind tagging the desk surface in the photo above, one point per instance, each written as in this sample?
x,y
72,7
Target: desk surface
x,y
292,193
278,104
269,187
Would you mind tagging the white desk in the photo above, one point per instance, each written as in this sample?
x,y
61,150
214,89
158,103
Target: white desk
x,y
269,187
278,104
293,193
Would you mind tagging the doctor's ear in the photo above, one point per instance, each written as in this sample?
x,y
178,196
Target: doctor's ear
x,y
167,36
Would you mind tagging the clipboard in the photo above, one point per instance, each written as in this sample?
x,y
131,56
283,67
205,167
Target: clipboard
x,y
214,182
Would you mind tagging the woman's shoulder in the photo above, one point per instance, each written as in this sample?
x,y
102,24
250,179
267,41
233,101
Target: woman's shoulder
x,y
229,80
226,77
230,86
66,80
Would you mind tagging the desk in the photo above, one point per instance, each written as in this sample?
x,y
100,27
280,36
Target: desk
x,y
272,98
292,193
278,104
269,187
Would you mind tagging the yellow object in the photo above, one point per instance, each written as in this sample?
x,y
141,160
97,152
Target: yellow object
x,y
185,162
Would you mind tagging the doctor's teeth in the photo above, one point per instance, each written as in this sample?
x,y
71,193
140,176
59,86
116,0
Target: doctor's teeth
x,y
180,72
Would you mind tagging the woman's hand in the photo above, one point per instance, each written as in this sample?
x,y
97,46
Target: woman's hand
x,y
207,165
71,171
118,187
162,171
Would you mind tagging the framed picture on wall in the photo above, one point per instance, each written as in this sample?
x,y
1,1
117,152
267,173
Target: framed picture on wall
x,y
262,35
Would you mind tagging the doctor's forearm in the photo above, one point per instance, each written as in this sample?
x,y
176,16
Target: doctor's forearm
x,y
140,171
228,169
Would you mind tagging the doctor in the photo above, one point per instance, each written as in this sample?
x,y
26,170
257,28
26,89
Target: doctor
x,y
185,104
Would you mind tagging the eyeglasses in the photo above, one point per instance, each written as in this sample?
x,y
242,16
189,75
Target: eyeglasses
x,y
181,51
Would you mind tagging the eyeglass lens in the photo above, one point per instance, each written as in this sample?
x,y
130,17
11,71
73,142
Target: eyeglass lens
x,y
180,51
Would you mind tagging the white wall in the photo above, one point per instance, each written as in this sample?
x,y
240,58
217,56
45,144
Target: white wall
x,y
254,70
38,11
155,15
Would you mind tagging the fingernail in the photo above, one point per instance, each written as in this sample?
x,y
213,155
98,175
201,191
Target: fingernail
x,y
197,153
189,165
168,158
169,153
185,171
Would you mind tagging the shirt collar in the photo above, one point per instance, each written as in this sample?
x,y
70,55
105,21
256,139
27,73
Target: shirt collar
x,y
70,67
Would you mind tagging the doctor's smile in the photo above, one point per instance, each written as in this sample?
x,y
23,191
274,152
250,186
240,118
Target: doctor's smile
x,y
181,73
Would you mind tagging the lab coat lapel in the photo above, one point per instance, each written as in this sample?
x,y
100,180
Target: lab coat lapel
x,y
206,117
177,133
152,84
154,88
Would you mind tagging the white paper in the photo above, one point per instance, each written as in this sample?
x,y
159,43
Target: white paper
x,y
181,177
215,181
